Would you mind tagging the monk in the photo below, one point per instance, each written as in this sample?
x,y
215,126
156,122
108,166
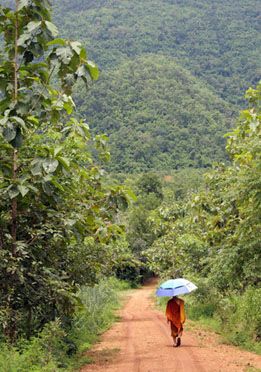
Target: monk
x,y
175,314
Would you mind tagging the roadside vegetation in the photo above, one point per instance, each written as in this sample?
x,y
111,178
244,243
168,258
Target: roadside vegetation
x,y
60,347
58,208
236,317
212,237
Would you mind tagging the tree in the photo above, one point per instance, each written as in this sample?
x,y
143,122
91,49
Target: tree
x,y
238,264
53,198
215,234
150,183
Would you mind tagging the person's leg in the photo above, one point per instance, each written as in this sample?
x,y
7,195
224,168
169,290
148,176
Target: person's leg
x,y
174,333
179,336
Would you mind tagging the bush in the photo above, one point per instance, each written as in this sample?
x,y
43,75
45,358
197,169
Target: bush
x,y
241,318
52,349
204,302
97,312
236,316
43,353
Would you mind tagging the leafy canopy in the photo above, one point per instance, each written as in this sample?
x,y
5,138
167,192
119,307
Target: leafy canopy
x,y
56,208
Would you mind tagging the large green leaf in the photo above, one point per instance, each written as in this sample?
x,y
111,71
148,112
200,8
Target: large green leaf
x,y
23,190
81,71
19,121
36,168
9,132
92,69
64,54
76,46
47,188
50,165
130,194
57,184
23,3
57,150
22,41
29,33
13,192
69,107
33,26
64,161
52,28
58,41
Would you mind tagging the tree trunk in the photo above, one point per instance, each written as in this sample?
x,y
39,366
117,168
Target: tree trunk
x,y
11,326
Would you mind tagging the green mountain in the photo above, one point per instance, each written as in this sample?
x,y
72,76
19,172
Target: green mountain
x,y
218,41
168,70
157,115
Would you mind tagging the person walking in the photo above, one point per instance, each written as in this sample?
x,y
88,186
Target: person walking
x,y
175,313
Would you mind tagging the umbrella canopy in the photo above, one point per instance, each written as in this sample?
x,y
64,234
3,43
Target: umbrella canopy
x,y
175,287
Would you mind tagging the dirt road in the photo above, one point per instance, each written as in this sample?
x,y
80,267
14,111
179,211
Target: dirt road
x,y
141,342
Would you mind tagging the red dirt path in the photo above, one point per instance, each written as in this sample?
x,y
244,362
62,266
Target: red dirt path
x,y
141,342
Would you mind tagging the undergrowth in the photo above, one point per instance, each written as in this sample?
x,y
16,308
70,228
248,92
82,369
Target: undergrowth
x,y
62,348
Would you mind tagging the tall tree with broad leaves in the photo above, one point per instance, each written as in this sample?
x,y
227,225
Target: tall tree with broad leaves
x,y
216,232
55,207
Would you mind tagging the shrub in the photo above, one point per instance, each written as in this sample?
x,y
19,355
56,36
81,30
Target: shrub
x,y
97,312
241,318
202,303
51,350
43,353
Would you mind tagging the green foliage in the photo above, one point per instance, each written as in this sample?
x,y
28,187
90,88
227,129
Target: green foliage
x,y
235,316
241,317
97,313
214,236
178,184
216,232
43,353
157,116
180,248
140,233
145,220
59,214
238,219
169,69
54,349
150,184
122,260
56,207
205,302
204,37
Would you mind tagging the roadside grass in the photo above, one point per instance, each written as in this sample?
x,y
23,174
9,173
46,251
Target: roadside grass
x,y
99,313
160,302
103,357
207,324
64,349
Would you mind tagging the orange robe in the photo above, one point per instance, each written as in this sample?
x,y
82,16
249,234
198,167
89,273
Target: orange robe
x,y
175,313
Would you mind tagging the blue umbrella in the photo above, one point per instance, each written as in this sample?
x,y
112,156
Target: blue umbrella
x,y
175,287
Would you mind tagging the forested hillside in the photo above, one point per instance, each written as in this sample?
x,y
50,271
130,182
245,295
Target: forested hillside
x,y
218,41
166,67
157,115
